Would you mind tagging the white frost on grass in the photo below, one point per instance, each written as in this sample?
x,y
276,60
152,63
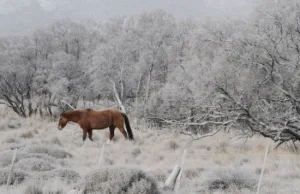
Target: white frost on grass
x,y
154,151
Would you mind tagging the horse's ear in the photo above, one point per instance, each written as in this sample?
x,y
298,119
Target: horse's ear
x,y
62,114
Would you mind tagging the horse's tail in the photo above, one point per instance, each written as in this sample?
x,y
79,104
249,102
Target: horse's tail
x,y
129,131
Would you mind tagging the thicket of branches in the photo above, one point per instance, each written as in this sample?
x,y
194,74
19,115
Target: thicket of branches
x,y
196,76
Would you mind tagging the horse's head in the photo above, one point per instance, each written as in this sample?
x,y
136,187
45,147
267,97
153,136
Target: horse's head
x,y
62,121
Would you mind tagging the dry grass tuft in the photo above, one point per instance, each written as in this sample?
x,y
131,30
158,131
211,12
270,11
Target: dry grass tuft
x,y
27,135
172,145
14,124
55,140
231,178
136,151
244,161
222,147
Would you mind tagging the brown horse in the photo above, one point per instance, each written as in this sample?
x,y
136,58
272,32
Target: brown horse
x,y
89,119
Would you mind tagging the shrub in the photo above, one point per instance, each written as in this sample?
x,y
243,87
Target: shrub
x,y
258,171
191,173
17,176
228,178
6,158
10,140
34,164
68,176
119,180
159,175
42,187
44,157
13,124
56,153
33,189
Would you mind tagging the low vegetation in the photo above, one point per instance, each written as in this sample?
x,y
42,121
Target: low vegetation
x,y
232,178
218,164
119,180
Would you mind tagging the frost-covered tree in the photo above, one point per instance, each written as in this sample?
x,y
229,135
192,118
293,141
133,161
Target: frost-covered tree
x,y
257,84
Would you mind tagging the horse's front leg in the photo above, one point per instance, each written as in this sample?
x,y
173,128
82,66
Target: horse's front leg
x,y
84,134
90,132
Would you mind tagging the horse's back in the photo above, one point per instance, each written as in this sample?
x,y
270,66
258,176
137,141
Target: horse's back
x,y
102,112
102,118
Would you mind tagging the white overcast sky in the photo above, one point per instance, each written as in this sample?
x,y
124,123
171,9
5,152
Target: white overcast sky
x,y
23,16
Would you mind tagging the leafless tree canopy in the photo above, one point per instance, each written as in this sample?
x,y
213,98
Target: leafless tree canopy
x,y
199,77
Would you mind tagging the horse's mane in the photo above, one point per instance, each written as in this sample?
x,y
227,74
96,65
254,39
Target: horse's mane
x,y
69,113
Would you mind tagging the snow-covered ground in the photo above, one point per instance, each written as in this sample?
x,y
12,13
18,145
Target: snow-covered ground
x,y
54,161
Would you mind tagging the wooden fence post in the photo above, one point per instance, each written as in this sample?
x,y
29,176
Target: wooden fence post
x,y
102,153
177,184
263,168
169,184
11,169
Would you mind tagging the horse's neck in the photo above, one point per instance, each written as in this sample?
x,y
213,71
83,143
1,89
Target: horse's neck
x,y
74,116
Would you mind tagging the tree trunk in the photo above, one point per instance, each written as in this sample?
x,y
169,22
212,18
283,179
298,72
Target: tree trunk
x,y
136,100
117,97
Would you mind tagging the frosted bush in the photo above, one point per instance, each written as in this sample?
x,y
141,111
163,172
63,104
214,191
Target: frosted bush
x,y
33,189
159,175
6,158
34,164
54,152
44,157
14,124
119,180
65,175
10,140
45,187
231,178
17,176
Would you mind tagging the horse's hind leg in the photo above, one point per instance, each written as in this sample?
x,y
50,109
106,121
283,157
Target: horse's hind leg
x,y
122,130
90,132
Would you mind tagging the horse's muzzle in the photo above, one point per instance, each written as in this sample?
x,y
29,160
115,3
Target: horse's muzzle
x,y
60,127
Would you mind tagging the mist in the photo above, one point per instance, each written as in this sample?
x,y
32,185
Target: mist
x,y
19,17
